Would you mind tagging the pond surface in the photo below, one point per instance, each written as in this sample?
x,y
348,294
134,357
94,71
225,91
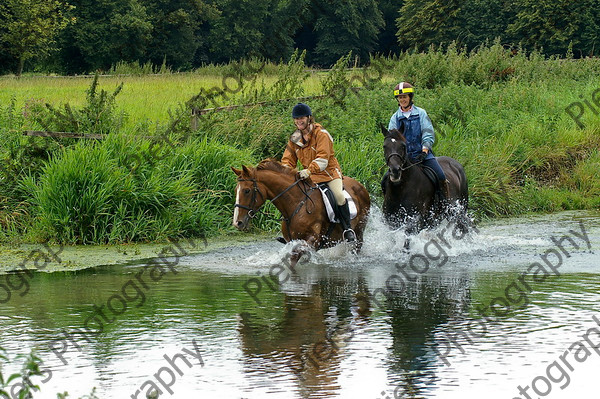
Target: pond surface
x,y
457,317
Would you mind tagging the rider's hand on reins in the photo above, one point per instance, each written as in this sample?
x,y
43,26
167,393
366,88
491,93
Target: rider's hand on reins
x,y
304,174
421,157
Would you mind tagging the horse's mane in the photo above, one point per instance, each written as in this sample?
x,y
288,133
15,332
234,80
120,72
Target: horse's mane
x,y
275,166
395,133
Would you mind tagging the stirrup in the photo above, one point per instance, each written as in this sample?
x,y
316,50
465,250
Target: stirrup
x,y
349,235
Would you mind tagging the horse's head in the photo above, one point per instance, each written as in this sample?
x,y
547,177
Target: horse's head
x,y
394,151
248,197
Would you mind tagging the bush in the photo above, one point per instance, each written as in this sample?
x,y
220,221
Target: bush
x,y
98,116
88,194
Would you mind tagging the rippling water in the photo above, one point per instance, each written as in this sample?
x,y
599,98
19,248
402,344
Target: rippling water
x,y
378,325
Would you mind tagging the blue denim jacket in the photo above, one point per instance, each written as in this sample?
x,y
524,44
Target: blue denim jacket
x,y
418,130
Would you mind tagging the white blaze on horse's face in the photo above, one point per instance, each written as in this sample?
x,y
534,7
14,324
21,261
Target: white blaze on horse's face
x,y
394,152
236,212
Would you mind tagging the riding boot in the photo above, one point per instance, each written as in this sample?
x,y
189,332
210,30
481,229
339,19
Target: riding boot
x,y
344,215
446,189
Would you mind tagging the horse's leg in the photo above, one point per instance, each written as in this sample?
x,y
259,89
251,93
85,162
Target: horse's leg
x,y
413,224
359,240
460,217
294,258
299,250
409,231
407,244
464,223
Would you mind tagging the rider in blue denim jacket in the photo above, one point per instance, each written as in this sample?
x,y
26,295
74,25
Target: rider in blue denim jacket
x,y
418,132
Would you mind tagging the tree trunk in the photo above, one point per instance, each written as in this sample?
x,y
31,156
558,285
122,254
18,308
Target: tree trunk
x,y
21,64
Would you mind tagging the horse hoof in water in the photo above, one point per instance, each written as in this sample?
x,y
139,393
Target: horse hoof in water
x,y
406,248
296,253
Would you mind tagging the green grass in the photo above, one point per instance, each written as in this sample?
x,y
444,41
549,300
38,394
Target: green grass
x,y
148,97
501,115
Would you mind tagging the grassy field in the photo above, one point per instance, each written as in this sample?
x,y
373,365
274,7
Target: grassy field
x,y
501,115
147,97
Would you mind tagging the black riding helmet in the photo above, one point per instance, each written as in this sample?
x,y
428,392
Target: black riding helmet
x,y
301,110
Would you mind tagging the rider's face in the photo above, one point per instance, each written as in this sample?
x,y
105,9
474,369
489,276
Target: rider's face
x,y
301,123
403,100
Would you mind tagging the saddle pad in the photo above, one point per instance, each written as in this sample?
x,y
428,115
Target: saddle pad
x,y
328,203
430,173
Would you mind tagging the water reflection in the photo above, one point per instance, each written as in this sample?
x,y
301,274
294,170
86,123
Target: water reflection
x,y
311,338
415,315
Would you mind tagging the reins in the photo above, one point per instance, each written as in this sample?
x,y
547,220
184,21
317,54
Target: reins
x,y
402,168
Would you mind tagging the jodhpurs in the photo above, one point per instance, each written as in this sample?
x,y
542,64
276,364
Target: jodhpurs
x,y
336,188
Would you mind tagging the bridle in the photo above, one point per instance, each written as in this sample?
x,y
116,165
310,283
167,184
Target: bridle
x,y
254,212
251,211
405,161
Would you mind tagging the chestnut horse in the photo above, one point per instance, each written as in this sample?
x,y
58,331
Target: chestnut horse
x,y
299,202
409,199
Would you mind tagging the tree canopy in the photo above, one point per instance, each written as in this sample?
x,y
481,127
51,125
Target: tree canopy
x,y
29,27
86,36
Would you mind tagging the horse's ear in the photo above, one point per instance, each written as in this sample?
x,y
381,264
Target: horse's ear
x,y
238,172
245,171
401,129
384,131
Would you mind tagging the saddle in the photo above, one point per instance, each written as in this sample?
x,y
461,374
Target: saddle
x,y
431,175
331,206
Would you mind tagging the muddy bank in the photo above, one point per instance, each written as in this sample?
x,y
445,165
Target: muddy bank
x,y
54,258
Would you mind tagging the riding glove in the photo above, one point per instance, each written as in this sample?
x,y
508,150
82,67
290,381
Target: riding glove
x,y
421,157
304,173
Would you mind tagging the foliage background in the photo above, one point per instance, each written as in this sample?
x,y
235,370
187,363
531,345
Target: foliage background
x,y
80,36
153,177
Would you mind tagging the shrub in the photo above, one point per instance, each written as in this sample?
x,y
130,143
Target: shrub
x,y
93,193
98,116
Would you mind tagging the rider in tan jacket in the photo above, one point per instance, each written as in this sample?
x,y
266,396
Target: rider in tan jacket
x,y
316,155
312,145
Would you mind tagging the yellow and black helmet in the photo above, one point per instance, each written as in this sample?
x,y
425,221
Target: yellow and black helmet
x,y
404,88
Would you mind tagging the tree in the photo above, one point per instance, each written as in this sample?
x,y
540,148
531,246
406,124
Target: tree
x,y
554,25
282,22
179,30
346,25
31,26
130,32
239,30
422,23
387,42
481,21
106,32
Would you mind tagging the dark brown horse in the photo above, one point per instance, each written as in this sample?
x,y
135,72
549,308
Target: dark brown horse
x,y
410,199
299,202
